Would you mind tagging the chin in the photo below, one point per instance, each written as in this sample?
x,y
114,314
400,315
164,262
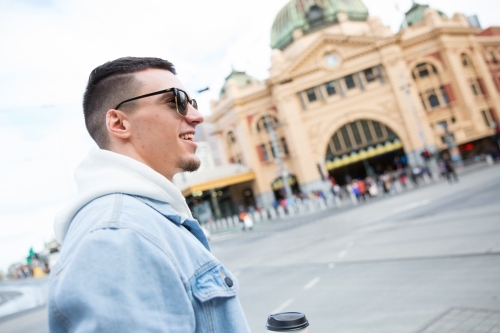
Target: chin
x,y
189,164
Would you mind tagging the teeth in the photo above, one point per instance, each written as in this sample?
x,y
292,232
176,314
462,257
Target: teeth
x,y
187,137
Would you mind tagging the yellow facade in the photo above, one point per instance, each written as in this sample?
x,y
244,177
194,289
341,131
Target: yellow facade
x,y
438,70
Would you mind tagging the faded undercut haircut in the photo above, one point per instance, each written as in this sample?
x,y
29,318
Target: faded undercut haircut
x,y
110,84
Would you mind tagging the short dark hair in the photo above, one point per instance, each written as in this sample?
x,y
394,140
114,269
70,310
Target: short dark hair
x,y
108,85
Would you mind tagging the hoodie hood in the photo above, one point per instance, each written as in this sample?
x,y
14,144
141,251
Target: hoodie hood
x,y
104,172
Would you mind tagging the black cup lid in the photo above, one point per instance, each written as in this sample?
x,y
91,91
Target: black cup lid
x,y
286,321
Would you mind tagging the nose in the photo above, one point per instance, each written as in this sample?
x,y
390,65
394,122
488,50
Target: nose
x,y
194,116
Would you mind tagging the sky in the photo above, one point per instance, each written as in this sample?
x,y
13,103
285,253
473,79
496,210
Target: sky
x,y
49,47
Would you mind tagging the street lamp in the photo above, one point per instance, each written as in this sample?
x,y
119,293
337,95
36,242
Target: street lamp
x,y
452,147
277,157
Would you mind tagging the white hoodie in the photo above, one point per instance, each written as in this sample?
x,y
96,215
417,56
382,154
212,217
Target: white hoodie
x,y
104,172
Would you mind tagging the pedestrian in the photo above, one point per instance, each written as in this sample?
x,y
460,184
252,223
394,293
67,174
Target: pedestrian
x,y
362,189
133,259
450,169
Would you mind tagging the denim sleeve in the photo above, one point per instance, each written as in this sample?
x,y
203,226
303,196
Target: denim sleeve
x,y
118,281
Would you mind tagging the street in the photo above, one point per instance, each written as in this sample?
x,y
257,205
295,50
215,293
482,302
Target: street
x,y
427,260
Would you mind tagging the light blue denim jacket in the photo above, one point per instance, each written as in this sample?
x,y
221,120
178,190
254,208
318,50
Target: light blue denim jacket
x,y
132,264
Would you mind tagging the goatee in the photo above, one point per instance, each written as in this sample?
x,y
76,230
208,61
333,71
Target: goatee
x,y
189,164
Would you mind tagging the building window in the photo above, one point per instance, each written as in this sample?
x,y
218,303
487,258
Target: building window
x,y
369,75
265,154
284,147
262,123
231,138
465,60
432,98
330,88
311,95
356,135
444,95
476,87
486,117
424,70
349,82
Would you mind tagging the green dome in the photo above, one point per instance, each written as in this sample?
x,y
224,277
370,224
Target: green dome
x,y
310,15
416,15
242,79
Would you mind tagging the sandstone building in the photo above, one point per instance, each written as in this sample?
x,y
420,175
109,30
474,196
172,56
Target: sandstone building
x,y
346,95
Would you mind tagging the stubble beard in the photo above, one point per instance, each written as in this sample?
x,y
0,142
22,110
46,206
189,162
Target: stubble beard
x,y
189,164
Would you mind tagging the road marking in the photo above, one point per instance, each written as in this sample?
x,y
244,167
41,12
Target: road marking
x,y
237,273
331,265
312,283
283,306
342,253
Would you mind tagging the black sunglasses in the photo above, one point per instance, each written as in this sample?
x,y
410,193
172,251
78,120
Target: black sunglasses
x,y
181,100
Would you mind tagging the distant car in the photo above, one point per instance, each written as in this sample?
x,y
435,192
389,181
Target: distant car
x,y
206,232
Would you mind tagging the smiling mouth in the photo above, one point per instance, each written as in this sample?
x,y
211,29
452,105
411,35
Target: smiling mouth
x,y
189,137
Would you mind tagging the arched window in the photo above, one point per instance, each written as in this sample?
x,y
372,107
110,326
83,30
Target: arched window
x,y
465,60
358,135
234,150
264,122
475,82
267,149
423,70
433,99
231,138
433,92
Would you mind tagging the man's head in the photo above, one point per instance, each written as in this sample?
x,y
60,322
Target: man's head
x,y
152,129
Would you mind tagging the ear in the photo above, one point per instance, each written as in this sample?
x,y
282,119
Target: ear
x,y
117,124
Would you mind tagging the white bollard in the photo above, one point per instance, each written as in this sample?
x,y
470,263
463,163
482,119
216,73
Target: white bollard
x,y
489,159
256,217
398,186
322,204
236,220
272,213
281,211
353,198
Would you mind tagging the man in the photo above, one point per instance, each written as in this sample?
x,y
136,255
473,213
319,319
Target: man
x,y
133,259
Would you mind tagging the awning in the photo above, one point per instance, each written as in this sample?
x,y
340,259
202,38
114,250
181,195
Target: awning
x,y
218,182
362,154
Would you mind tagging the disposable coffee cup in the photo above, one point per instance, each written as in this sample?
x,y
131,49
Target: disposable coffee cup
x,y
295,322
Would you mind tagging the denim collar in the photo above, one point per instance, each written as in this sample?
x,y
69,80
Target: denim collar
x,y
165,209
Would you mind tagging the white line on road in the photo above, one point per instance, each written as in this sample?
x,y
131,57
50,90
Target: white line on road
x,y
311,283
331,265
283,306
342,253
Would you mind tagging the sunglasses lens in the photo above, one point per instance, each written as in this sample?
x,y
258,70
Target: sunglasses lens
x,y
194,104
182,102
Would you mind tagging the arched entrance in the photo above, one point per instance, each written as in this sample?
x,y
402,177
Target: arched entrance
x,y
279,186
363,148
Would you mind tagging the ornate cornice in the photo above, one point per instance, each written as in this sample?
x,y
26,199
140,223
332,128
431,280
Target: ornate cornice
x,y
433,34
320,44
